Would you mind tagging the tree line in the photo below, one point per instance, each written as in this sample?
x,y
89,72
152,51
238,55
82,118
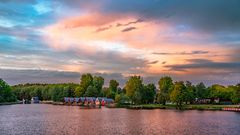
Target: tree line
x,y
133,92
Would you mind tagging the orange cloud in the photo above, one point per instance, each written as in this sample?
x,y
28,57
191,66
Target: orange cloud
x,y
95,32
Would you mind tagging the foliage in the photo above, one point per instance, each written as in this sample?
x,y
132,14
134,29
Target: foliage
x,y
54,92
98,82
133,88
165,86
112,90
189,93
91,92
134,91
201,91
236,94
122,98
6,94
178,94
149,93
113,86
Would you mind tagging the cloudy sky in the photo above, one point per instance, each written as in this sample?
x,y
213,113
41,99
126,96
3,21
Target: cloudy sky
x,y
56,41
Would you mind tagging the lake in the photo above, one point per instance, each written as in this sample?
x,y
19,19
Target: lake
x,y
46,119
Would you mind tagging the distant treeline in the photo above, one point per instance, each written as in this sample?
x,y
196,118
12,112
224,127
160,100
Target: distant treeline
x,y
134,91
54,92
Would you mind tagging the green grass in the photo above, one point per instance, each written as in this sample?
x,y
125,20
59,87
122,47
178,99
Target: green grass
x,y
172,106
151,106
208,107
10,103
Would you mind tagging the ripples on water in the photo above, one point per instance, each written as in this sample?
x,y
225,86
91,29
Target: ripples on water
x,y
44,119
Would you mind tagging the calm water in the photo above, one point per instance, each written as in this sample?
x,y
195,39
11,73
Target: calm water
x,y
51,120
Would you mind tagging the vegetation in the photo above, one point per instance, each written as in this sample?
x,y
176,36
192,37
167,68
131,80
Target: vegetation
x,y
6,94
165,87
54,92
135,93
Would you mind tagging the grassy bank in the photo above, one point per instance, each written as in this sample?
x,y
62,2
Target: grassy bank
x,y
51,102
208,107
10,103
185,107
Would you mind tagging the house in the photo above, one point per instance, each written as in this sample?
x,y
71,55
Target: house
x,y
88,101
202,101
103,101
34,100
97,102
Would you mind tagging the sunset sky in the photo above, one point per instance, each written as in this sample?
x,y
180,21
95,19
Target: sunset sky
x,y
50,41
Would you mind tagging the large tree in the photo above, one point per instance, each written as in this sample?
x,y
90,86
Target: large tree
x,y
112,90
6,94
236,94
98,82
149,93
189,95
86,81
91,92
113,85
165,87
201,90
133,88
178,94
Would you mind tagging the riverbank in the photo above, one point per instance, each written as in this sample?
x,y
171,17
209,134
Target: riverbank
x,y
185,107
10,103
51,102
160,106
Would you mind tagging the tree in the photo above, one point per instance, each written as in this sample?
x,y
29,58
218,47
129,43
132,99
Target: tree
x,y
6,94
79,91
236,94
178,94
98,82
112,90
91,92
149,93
165,86
113,85
189,95
201,91
122,99
86,81
133,87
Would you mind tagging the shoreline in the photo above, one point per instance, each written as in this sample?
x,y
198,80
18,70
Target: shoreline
x,y
200,107
10,103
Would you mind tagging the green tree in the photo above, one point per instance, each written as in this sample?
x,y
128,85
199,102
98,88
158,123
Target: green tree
x,y
122,99
98,82
178,94
86,81
133,87
113,85
201,91
219,91
91,92
236,94
149,93
6,94
165,86
112,90
189,94
79,91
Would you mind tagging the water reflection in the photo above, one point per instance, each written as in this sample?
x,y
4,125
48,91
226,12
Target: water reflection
x,y
51,120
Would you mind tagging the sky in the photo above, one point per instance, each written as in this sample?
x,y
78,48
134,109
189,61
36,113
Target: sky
x,y
47,41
